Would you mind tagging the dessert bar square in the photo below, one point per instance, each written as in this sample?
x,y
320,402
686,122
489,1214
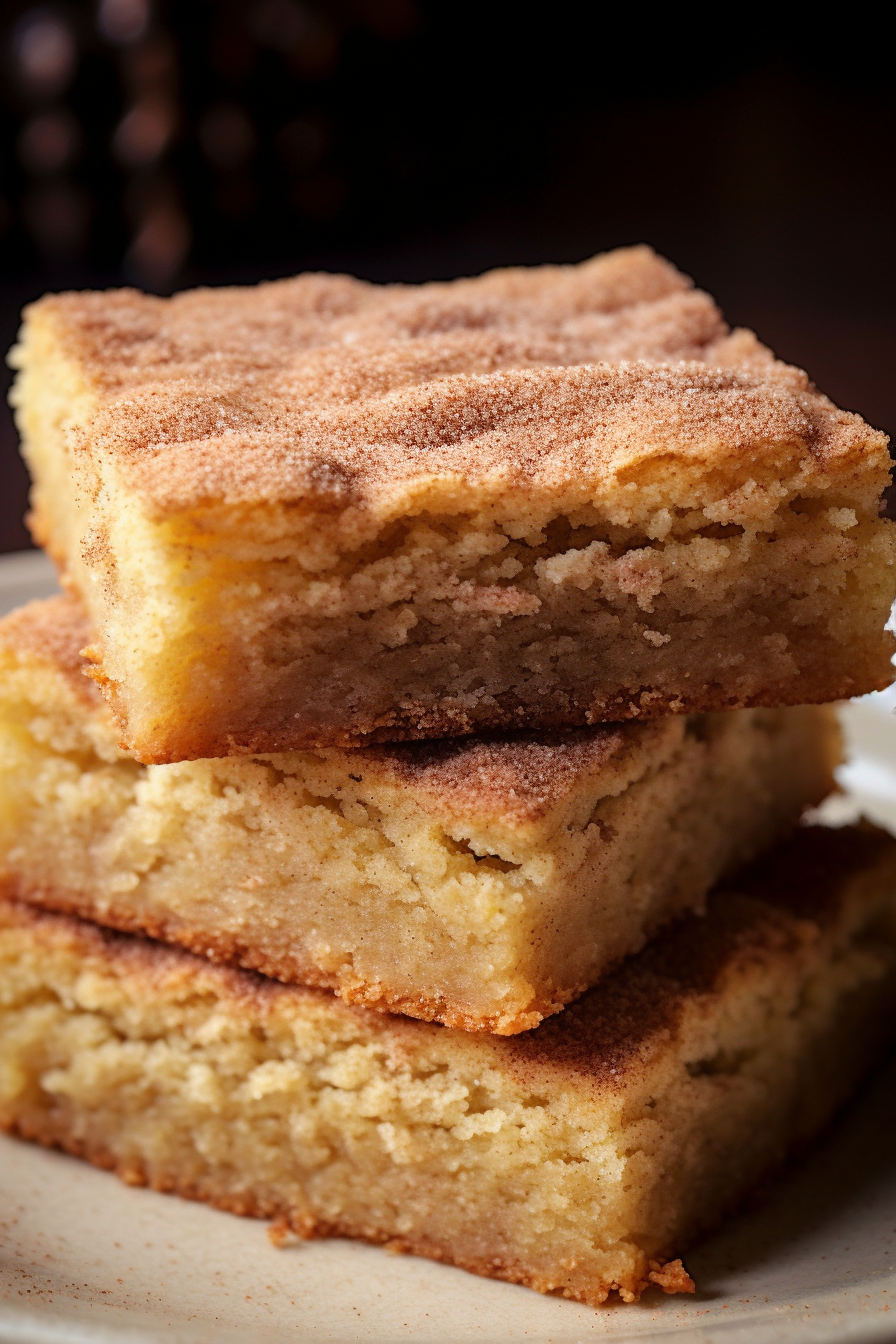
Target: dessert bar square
x,y
576,1158
320,512
483,882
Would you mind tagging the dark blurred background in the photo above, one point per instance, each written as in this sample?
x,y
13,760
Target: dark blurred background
x,y
199,141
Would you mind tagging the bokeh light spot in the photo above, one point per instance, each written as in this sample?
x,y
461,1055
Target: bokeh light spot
x,y
143,133
123,21
45,53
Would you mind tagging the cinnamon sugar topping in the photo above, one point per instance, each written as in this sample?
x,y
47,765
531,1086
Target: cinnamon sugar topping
x,y
341,393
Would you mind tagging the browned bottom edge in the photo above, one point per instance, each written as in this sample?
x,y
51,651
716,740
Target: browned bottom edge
x,y
416,722
228,950
670,1276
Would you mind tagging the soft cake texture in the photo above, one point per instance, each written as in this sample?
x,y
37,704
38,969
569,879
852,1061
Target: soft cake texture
x,y
480,882
575,1158
320,512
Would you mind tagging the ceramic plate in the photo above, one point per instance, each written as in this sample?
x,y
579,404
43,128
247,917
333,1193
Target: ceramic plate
x,y
84,1258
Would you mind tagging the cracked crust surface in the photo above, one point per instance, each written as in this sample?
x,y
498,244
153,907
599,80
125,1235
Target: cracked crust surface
x,y
355,396
521,431
660,1098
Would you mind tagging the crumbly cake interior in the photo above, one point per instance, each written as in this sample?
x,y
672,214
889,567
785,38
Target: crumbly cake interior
x,y
483,883
320,512
572,1158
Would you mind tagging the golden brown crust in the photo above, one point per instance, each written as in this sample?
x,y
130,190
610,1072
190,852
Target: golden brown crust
x,y
519,777
53,630
123,338
534,431
346,395
606,1034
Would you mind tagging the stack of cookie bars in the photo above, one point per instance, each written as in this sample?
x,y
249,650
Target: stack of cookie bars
x,y
419,859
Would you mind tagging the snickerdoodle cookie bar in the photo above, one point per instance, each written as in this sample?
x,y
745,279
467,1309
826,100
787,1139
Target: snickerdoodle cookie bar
x,y
576,1158
482,882
320,512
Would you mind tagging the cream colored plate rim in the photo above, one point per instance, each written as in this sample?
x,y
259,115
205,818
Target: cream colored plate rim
x,y
84,1258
